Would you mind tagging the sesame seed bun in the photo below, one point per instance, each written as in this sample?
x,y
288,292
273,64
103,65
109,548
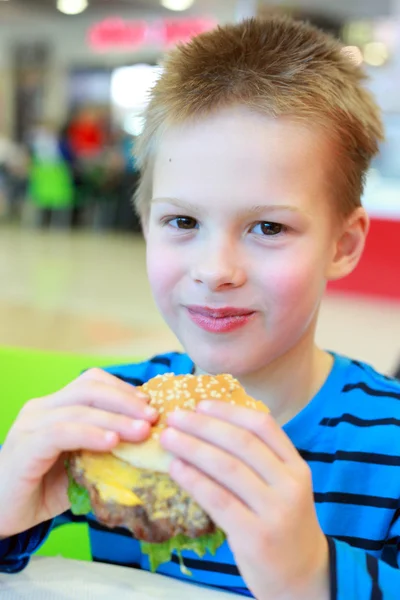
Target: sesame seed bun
x,y
179,392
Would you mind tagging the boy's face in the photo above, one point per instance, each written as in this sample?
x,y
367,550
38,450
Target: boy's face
x,y
241,220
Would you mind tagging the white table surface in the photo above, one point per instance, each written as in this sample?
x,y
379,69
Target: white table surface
x,y
62,579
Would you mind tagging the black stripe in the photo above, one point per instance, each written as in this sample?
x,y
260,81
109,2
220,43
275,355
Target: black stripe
x,y
362,543
132,380
392,541
395,517
133,565
352,420
333,587
370,391
360,457
357,499
358,364
363,368
207,565
69,515
161,360
115,530
373,570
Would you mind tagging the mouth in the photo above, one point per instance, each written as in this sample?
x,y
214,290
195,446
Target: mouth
x,y
220,320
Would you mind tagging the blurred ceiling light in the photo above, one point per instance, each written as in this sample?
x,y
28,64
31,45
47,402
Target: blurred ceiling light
x,y
354,53
130,86
376,54
72,7
177,4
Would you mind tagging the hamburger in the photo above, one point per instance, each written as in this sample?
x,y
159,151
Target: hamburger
x,y
130,486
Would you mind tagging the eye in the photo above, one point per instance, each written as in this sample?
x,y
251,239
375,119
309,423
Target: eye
x,y
183,223
268,228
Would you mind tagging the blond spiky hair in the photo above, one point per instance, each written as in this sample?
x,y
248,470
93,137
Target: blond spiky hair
x,y
274,66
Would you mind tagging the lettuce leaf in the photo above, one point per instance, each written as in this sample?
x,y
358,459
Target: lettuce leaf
x,y
78,496
161,553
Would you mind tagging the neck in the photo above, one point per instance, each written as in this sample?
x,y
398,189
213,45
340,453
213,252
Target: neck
x,y
288,384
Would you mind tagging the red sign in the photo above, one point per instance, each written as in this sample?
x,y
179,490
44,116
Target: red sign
x,y
118,34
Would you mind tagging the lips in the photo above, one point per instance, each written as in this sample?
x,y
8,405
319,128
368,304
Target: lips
x,y
220,320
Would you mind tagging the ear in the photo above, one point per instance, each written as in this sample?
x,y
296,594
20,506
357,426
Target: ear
x,y
349,245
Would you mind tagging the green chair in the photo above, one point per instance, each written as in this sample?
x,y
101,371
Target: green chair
x,y
26,374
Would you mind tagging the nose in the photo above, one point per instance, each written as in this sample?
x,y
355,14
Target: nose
x,y
219,268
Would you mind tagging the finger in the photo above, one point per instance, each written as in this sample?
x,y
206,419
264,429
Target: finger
x,y
132,430
236,441
39,452
226,510
229,471
103,396
105,377
260,423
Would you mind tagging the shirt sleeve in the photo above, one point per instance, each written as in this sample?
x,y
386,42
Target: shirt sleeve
x,y
16,551
357,575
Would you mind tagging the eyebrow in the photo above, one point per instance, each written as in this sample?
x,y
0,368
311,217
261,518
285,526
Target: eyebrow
x,y
256,209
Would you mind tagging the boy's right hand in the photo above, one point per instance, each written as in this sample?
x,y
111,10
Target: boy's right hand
x,y
94,412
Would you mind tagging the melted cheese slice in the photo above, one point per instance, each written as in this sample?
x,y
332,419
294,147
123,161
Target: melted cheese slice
x,y
113,479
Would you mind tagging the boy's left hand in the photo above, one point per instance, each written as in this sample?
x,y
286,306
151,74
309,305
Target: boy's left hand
x,y
244,471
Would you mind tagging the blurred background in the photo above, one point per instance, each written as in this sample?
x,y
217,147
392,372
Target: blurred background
x,y
74,78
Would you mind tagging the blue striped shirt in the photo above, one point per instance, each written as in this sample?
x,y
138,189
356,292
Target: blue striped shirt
x,y
349,435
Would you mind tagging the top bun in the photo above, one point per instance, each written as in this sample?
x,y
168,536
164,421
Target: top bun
x,y
171,392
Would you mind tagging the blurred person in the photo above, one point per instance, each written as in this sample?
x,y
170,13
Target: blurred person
x,y
14,166
50,185
86,134
397,373
252,170
86,141
126,218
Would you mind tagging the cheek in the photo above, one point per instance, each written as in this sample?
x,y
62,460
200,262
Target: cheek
x,y
164,271
294,283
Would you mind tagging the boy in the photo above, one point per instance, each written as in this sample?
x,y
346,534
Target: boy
x,y
257,140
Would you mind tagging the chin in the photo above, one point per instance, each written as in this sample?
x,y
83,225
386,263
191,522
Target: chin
x,y
233,358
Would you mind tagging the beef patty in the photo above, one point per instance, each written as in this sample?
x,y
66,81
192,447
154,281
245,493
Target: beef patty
x,y
162,511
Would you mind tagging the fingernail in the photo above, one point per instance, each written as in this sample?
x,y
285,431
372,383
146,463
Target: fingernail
x,y
110,436
138,425
205,405
143,396
149,411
